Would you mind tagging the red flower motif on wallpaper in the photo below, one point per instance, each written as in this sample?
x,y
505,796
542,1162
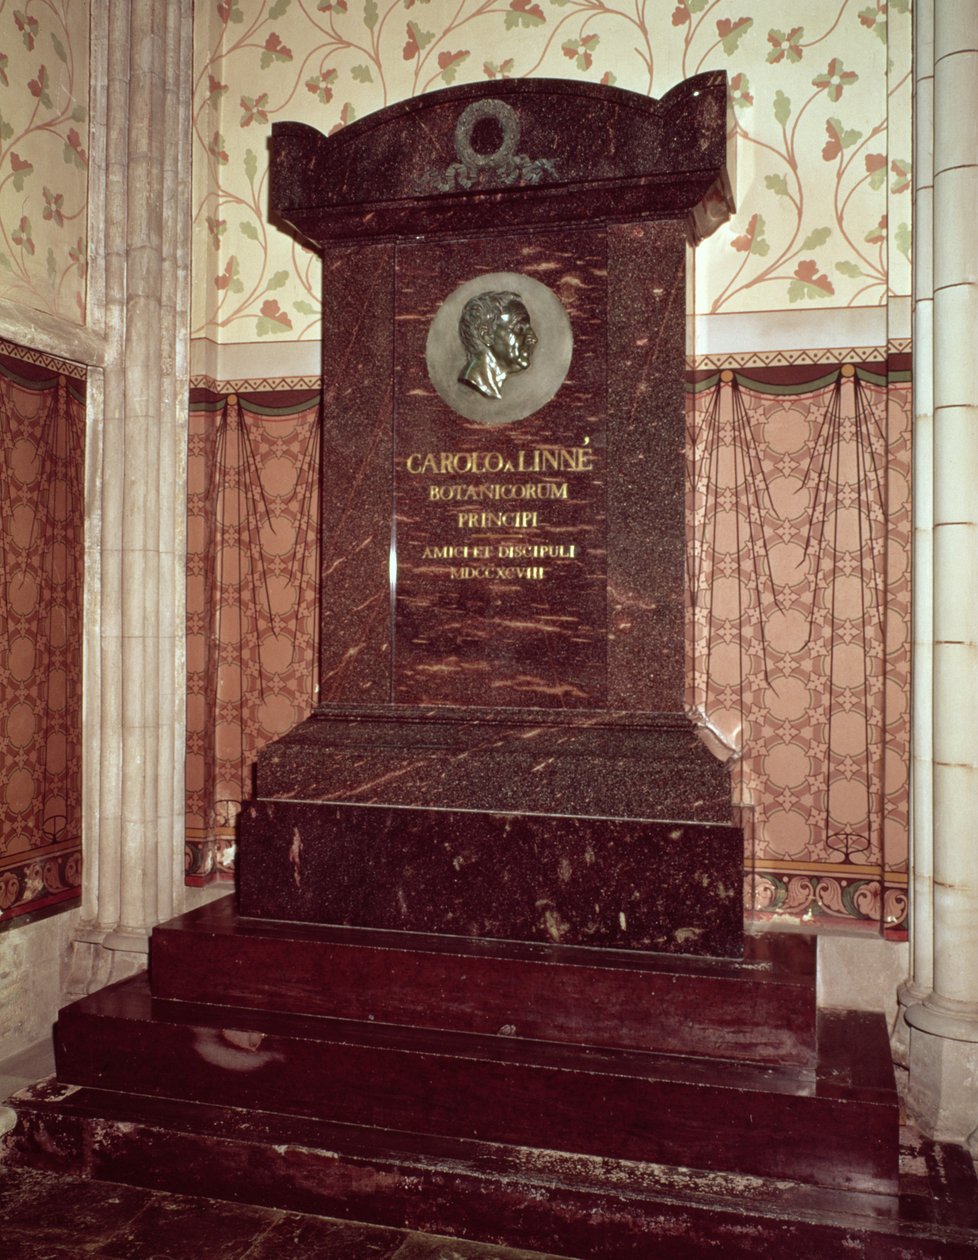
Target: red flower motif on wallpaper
x,y
54,207
785,45
835,79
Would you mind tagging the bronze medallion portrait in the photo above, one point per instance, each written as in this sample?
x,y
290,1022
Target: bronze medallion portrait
x,y
499,348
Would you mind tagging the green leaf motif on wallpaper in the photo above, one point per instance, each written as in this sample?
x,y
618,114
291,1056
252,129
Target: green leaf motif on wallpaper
x,y
901,170
777,184
902,239
523,13
59,48
4,59
370,14
449,62
876,170
6,131
52,265
416,40
230,277
273,320
816,238
839,138
782,108
835,79
39,88
274,50
248,229
876,235
809,283
740,92
874,19
785,45
218,149
306,308
73,151
900,6
321,85
54,204
850,269
279,9
278,280
250,165
22,235
732,32
753,240
79,114
362,74
230,11
28,28
503,70
21,169
253,109
580,50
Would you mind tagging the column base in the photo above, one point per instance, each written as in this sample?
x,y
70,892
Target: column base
x,y
908,994
942,1092
99,957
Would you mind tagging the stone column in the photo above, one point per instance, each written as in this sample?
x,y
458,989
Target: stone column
x,y
134,714
944,1026
918,983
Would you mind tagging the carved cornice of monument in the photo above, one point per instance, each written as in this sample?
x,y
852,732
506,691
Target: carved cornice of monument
x,y
485,157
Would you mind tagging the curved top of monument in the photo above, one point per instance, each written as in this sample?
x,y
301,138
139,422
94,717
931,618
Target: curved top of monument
x,y
506,154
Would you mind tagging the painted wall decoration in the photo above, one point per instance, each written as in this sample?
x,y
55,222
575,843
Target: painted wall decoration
x,y
44,145
252,616
821,96
800,636
42,446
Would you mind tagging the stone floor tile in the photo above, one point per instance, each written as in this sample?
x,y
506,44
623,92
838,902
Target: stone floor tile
x,y
314,1238
177,1227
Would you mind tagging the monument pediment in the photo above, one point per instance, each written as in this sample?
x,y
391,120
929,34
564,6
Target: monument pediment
x,y
511,153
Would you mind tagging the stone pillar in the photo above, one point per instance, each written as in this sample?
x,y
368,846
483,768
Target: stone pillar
x,y
134,714
943,1086
918,984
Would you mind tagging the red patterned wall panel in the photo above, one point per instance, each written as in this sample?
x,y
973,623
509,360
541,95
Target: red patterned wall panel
x,y
42,445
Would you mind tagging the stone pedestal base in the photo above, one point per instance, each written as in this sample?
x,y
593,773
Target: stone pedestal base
x,y
943,1087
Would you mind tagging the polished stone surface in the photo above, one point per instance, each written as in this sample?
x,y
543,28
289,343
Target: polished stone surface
x,y
561,880
757,1009
53,1217
604,765
628,1212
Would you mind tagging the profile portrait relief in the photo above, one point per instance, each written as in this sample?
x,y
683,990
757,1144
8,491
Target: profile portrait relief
x,y
498,338
499,347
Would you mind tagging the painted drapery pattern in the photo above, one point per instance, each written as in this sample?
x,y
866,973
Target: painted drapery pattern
x,y
252,615
800,627
42,444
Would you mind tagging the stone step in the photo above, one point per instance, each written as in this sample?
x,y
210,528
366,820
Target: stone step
x,y
835,1126
588,1207
760,1009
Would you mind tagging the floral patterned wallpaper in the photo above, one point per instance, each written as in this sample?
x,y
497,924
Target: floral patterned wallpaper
x,y
821,94
44,79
